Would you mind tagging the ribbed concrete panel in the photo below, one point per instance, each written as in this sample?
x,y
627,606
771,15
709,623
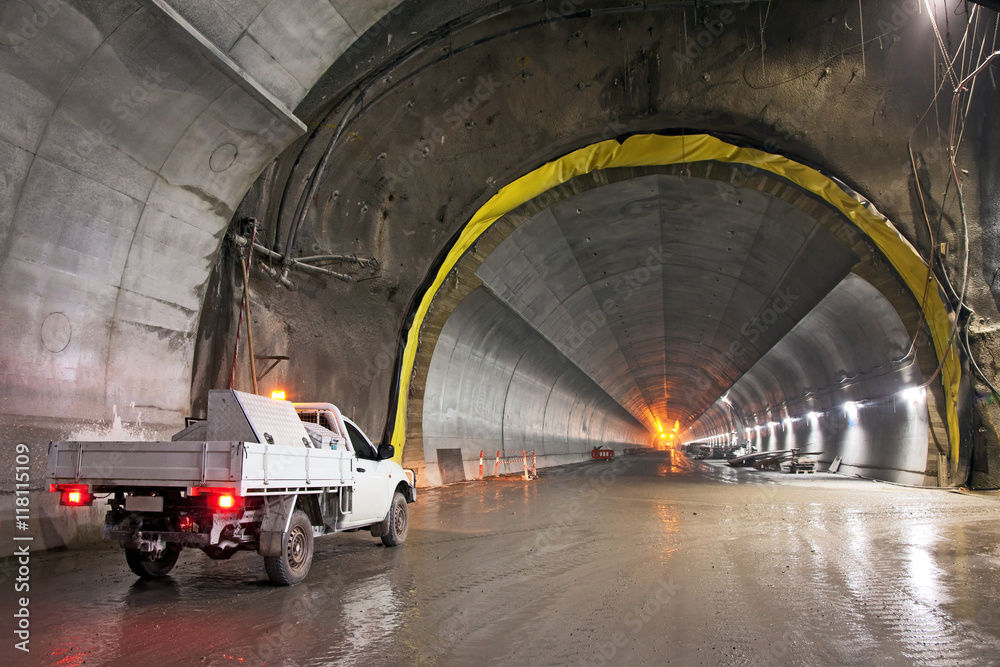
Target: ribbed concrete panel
x,y
848,349
131,144
547,288
666,290
615,238
496,384
285,44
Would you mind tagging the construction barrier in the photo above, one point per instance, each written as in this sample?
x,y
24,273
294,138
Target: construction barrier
x,y
602,454
510,457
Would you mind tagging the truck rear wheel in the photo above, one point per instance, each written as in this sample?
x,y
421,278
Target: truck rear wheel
x,y
144,565
293,564
398,522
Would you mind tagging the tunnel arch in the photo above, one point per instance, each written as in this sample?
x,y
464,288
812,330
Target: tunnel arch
x,y
403,113
136,136
682,152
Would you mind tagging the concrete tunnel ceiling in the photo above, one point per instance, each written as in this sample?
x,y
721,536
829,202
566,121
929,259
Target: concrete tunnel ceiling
x,y
667,271
138,137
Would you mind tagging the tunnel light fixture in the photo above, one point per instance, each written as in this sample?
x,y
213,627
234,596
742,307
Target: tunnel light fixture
x,y
913,394
851,410
813,416
278,395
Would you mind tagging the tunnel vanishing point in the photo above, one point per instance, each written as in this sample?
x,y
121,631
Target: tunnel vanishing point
x,y
514,225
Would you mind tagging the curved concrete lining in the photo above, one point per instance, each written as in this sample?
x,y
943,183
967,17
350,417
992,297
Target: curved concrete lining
x,y
129,135
128,139
795,396
495,383
665,290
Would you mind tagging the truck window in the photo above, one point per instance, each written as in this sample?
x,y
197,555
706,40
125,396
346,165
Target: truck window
x,y
362,448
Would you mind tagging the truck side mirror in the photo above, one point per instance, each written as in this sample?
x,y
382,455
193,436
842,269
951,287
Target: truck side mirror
x,y
386,452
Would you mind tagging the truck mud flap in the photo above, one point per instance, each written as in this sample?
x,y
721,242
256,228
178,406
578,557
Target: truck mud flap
x,y
379,529
277,515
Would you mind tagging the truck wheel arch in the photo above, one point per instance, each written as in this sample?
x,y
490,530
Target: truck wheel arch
x,y
310,505
408,491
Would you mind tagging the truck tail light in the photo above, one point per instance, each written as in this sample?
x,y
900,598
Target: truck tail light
x,y
220,499
224,502
74,496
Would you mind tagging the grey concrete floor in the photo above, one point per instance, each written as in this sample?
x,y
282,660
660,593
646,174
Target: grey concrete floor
x,y
647,560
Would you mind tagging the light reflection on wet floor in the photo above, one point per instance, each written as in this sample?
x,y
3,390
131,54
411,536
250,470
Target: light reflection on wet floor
x,y
652,558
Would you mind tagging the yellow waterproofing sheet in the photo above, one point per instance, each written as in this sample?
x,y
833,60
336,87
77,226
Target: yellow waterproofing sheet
x,y
653,150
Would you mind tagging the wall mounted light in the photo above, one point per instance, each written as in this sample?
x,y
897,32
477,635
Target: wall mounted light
x,y
913,394
851,412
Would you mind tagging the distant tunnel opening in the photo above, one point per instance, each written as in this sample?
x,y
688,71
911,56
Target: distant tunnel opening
x,y
724,299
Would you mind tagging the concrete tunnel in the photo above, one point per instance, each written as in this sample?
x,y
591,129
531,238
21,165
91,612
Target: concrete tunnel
x,y
482,226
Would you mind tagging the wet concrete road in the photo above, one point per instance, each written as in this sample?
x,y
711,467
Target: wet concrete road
x,y
649,560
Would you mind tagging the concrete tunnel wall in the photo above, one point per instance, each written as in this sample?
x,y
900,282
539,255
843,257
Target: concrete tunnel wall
x,y
793,396
495,383
130,132
127,140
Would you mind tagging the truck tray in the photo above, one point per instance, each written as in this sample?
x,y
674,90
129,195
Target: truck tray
x,y
248,467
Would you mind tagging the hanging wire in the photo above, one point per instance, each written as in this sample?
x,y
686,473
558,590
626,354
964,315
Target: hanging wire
x,y
944,51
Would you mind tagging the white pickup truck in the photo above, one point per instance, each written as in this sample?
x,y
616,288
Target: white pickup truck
x,y
258,474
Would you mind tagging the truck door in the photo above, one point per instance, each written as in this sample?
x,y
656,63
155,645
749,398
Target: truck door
x,y
371,500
